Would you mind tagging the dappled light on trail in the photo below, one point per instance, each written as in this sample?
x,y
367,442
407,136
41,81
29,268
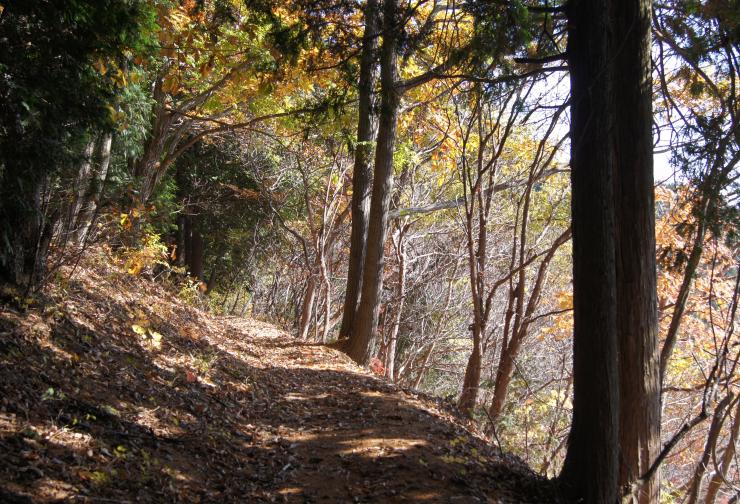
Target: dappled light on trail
x,y
221,410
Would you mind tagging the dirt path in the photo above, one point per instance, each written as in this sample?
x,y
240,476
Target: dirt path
x,y
205,409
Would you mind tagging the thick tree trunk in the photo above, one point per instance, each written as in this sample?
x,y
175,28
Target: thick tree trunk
x,y
361,176
362,339
637,317
591,469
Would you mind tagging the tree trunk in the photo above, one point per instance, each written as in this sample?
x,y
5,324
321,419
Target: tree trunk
x,y
591,469
362,339
637,317
23,226
424,364
307,308
89,204
390,358
82,184
469,393
361,177
692,495
718,478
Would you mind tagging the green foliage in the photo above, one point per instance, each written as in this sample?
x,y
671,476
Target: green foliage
x,y
60,69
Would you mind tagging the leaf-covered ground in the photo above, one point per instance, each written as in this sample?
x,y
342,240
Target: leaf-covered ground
x,y
115,391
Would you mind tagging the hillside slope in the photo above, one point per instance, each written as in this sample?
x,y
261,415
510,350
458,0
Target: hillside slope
x,y
116,391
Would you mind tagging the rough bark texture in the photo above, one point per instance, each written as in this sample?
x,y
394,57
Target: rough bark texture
x,y
84,175
88,204
361,176
637,318
361,342
590,470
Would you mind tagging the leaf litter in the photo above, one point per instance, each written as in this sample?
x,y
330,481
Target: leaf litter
x,y
116,391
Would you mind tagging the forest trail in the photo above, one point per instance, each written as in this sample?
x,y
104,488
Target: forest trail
x,y
116,391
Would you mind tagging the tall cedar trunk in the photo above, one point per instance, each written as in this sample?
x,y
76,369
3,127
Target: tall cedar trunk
x,y
89,204
361,176
590,471
637,317
327,302
362,339
187,250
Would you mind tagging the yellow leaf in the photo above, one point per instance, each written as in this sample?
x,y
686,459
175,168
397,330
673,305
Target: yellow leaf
x,y
139,329
156,339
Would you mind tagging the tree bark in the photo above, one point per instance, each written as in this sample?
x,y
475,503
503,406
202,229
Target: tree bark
x,y
471,381
637,317
590,470
720,474
390,358
361,176
307,308
85,214
362,339
84,175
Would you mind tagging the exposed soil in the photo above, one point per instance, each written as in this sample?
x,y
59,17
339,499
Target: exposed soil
x,y
115,391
